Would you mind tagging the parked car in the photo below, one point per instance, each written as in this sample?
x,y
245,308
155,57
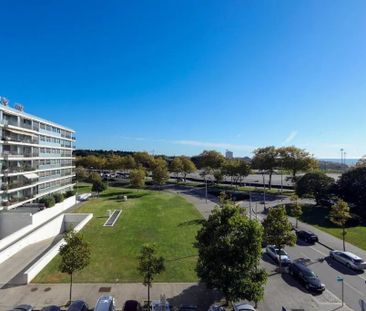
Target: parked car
x,y
327,202
306,276
278,255
158,305
23,308
105,303
51,308
188,308
78,305
307,236
243,307
216,308
132,305
350,260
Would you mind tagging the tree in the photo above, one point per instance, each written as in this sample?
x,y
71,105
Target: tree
x,y
144,159
99,186
351,187
266,160
93,162
361,162
296,210
75,255
229,252
339,215
81,173
176,166
188,167
137,177
278,229
315,184
296,160
149,266
94,177
114,162
236,169
128,163
160,173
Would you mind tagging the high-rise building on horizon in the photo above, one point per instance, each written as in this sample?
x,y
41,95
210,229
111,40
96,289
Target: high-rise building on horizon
x,y
229,154
36,157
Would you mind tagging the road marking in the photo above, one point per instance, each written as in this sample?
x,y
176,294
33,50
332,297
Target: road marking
x,y
321,253
355,289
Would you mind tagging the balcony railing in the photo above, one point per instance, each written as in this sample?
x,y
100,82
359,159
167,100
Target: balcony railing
x,y
15,200
14,185
15,154
20,140
18,169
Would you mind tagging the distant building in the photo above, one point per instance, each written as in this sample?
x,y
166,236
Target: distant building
x,y
35,157
229,154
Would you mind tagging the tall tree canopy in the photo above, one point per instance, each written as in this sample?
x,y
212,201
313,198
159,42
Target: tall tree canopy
x,y
266,160
229,251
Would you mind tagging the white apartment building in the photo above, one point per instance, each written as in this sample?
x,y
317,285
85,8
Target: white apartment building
x,y
35,157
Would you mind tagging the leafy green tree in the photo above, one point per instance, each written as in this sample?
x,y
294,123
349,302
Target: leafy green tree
x,y
128,163
99,186
266,160
75,255
236,169
361,162
278,229
315,184
229,252
296,210
160,173
176,166
81,173
297,160
94,177
137,177
93,162
339,215
144,159
149,266
352,188
188,167
114,162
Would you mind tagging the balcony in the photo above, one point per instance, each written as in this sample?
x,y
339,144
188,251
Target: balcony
x,y
15,184
16,154
34,141
15,200
19,169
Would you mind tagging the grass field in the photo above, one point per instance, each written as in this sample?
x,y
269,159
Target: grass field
x,y
148,217
317,217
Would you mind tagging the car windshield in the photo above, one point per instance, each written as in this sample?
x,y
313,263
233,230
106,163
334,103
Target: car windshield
x,y
282,252
310,274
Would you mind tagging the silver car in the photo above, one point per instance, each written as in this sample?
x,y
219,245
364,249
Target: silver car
x,y
350,260
278,255
105,303
243,307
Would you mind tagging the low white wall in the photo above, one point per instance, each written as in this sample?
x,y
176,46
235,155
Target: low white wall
x,y
82,220
37,220
48,230
12,222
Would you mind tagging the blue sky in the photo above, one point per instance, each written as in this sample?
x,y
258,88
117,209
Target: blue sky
x,y
178,77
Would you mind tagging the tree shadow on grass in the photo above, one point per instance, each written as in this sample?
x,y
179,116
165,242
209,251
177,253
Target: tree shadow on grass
x,y
198,221
197,295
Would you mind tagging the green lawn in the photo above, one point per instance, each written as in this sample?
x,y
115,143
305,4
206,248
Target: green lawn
x,y
317,216
148,217
83,187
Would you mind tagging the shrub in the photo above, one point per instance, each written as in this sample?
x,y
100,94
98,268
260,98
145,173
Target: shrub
x,y
59,197
48,201
355,221
69,193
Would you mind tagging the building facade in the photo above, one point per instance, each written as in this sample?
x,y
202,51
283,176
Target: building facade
x,y
36,157
229,154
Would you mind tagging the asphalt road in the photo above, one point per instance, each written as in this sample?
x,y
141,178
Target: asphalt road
x,y
317,257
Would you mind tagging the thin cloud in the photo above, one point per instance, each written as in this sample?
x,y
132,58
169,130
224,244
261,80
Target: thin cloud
x,y
196,143
290,138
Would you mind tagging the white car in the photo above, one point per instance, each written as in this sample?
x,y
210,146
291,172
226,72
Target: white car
x,y
278,255
243,307
350,260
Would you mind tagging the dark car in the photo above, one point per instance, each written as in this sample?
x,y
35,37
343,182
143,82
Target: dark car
x,y
23,308
78,305
327,202
51,308
132,305
307,236
306,276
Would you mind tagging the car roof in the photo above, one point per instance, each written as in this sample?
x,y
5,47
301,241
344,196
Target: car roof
x,y
353,256
244,306
302,266
23,307
103,303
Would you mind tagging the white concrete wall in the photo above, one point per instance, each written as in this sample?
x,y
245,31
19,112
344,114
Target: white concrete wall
x,y
12,222
37,220
48,230
31,273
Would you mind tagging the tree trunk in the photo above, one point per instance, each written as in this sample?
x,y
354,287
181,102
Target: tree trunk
x,y
270,181
296,222
70,287
344,237
148,296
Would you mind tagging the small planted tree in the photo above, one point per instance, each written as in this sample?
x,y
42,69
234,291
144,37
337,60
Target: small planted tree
x,y
75,255
137,177
339,215
278,229
99,186
149,266
295,209
160,173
